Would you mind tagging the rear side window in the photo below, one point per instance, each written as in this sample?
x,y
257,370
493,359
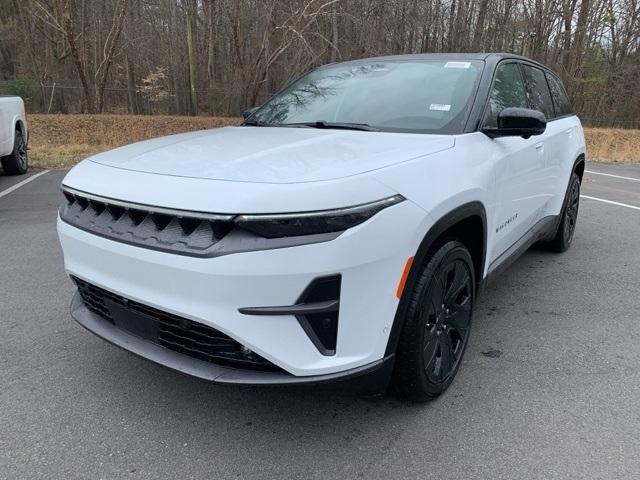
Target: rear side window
x,y
538,91
561,101
507,91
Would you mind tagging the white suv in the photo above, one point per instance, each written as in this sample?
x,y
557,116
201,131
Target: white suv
x,y
342,232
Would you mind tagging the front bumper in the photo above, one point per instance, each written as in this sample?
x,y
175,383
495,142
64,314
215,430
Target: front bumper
x,y
367,376
369,258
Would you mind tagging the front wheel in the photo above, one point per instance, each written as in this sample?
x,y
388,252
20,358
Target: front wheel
x,y
437,324
17,162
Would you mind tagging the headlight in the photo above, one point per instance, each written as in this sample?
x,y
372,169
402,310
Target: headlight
x,y
310,223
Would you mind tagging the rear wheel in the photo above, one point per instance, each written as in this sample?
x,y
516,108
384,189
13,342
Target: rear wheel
x,y
437,324
17,162
568,217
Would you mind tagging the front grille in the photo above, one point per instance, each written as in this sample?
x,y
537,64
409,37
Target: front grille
x,y
190,233
170,331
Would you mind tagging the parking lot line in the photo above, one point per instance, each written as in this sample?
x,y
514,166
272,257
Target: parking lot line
x,y
610,201
24,182
614,176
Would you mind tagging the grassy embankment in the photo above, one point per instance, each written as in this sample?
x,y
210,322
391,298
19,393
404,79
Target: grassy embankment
x,y
62,140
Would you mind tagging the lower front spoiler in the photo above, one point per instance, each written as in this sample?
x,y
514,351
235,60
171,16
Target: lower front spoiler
x,y
372,378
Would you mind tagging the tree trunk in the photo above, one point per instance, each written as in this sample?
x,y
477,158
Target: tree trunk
x,y
132,106
334,34
70,35
578,43
191,58
173,64
452,27
109,51
479,28
211,73
132,95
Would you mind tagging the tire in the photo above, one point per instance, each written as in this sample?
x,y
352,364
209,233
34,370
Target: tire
x,y
437,323
17,162
568,217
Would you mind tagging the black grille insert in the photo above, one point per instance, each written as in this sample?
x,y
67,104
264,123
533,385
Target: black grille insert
x,y
184,232
170,331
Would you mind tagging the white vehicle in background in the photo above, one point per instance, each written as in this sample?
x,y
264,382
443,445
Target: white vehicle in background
x,y
13,136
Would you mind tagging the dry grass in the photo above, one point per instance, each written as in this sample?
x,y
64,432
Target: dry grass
x,y
613,145
62,140
57,141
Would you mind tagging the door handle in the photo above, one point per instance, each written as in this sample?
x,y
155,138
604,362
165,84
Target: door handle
x,y
569,131
539,146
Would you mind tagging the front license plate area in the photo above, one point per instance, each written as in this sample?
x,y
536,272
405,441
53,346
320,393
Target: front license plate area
x,y
134,322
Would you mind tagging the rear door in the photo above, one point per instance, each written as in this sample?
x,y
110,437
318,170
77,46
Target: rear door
x,y
565,142
519,165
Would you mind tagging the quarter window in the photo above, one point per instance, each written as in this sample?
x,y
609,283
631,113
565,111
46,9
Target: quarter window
x,y
538,91
507,91
561,102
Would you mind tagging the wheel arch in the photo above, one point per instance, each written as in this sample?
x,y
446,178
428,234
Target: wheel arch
x,y
579,165
466,223
19,126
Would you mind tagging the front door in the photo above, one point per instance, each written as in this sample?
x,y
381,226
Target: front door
x,y
519,165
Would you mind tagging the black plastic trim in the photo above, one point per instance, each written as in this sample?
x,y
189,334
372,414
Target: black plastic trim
x,y
303,308
303,319
467,210
311,333
298,309
376,373
236,241
543,228
580,159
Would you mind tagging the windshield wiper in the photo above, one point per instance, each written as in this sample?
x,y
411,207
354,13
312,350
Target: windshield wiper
x,y
329,125
317,124
255,123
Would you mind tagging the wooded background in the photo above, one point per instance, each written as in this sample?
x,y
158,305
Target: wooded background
x,y
218,57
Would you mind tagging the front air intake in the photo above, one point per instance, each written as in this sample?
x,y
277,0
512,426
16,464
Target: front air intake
x,y
322,327
317,312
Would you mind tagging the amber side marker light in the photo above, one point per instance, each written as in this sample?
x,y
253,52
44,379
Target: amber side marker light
x,y
403,278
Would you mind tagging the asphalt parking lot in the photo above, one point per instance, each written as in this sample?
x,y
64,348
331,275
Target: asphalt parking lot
x,y
549,388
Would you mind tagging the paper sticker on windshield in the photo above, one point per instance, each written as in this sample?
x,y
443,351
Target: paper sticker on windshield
x,y
457,65
440,106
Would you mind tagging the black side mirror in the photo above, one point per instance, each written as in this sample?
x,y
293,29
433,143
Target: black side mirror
x,y
247,113
518,122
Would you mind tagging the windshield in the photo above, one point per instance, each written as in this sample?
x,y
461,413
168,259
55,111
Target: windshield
x,y
421,96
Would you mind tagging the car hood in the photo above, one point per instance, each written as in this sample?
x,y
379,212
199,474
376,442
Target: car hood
x,y
272,154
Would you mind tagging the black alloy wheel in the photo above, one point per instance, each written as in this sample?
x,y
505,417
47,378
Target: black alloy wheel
x,y
17,162
21,150
437,322
571,214
448,320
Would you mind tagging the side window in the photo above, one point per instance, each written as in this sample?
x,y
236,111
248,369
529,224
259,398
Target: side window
x,y
507,91
538,91
561,101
